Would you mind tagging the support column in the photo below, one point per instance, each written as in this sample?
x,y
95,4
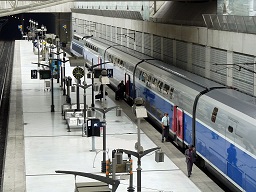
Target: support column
x,y
142,42
189,55
174,52
162,48
229,68
207,62
151,45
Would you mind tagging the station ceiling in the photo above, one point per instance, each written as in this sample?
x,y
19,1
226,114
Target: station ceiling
x,y
16,8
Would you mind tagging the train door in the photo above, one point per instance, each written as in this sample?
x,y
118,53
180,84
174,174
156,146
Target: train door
x,y
128,86
173,129
177,125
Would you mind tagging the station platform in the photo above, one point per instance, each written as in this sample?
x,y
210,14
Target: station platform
x,y
39,142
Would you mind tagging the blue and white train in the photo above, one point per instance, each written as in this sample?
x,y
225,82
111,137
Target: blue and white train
x,y
225,126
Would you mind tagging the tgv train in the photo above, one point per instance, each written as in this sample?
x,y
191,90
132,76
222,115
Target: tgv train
x,y
225,124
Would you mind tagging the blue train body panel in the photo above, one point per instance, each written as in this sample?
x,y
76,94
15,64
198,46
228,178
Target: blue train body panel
x,y
227,158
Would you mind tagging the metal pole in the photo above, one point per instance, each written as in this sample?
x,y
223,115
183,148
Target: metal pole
x,y
85,95
104,95
139,161
104,143
130,188
52,106
114,162
93,143
139,175
85,115
77,95
61,76
38,48
64,83
58,58
92,105
69,82
138,134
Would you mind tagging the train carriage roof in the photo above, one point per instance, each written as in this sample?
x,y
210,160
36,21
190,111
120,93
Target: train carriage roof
x,y
233,98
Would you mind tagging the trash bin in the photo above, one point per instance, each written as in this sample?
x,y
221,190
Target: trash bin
x,y
89,112
118,112
47,85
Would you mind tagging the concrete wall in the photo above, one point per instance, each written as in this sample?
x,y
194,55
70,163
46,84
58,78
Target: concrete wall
x,y
231,41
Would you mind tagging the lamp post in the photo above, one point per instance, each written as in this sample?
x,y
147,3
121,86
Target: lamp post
x,y
104,111
43,30
85,38
140,112
109,181
57,39
52,105
92,104
139,155
62,68
91,68
51,68
64,73
85,87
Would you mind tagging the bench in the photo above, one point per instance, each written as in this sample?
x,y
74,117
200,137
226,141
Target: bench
x,y
74,119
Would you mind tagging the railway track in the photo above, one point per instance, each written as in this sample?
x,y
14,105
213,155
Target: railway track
x,y
6,65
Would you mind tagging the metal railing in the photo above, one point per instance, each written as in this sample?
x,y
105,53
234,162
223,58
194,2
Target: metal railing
x,y
235,23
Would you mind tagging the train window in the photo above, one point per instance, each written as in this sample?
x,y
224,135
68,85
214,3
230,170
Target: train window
x,y
149,78
230,129
214,114
160,85
145,77
171,93
142,77
121,63
148,84
166,88
155,81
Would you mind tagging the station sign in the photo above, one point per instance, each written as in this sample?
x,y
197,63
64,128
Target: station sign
x,y
110,73
33,74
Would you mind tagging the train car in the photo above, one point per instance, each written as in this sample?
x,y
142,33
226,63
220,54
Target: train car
x,y
225,125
